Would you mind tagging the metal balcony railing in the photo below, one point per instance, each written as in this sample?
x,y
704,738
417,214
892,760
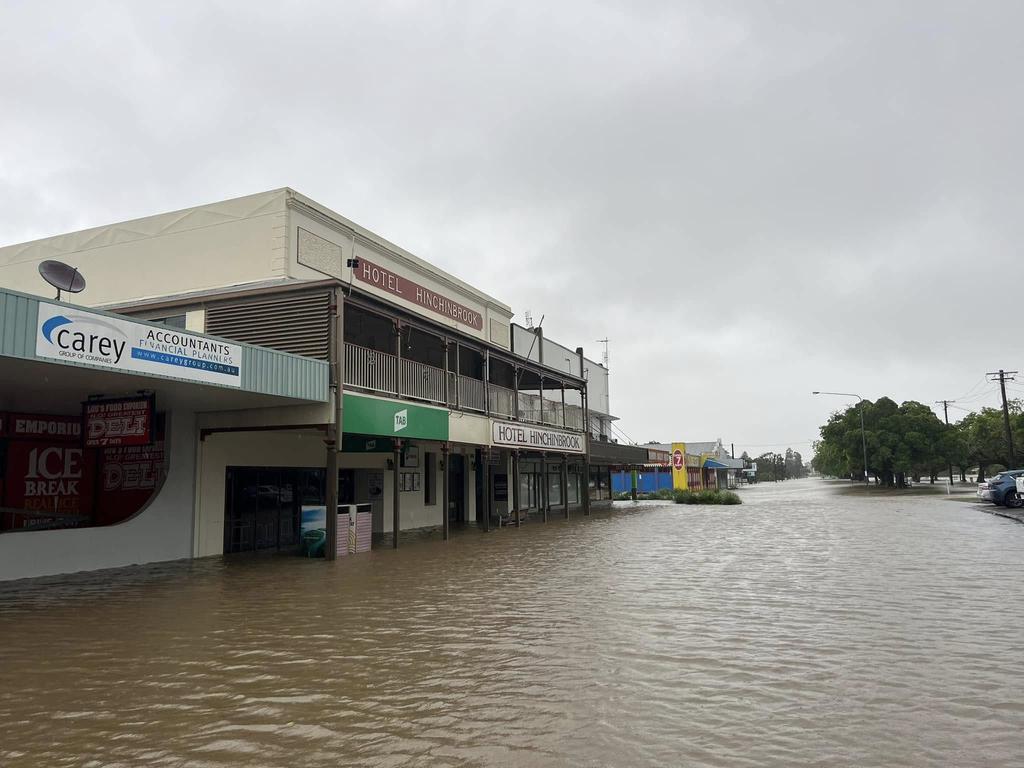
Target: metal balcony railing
x,y
422,381
369,369
500,400
382,372
471,394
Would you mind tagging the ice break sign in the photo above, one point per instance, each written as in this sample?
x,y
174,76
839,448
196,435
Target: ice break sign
x,y
73,335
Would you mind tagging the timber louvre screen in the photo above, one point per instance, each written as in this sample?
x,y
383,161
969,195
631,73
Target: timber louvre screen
x,y
295,323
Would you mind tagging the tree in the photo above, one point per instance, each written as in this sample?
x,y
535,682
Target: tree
x,y
979,439
905,440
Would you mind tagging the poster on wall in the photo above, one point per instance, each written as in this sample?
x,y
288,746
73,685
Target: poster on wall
x,y
129,476
47,484
121,421
48,480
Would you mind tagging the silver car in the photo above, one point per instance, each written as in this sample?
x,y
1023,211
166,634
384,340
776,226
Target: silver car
x,y
985,491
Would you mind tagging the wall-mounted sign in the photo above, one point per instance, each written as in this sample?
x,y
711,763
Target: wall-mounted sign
x,y
124,421
680,478
74,335
537,438
31,426
374,416
387,281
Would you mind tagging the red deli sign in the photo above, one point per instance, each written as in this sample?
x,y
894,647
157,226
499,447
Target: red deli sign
x,y
372,274
125,421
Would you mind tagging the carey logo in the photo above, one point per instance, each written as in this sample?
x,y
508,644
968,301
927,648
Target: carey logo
x,y
85,338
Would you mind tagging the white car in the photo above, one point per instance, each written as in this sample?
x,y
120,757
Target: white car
x,y
985,490
1020,486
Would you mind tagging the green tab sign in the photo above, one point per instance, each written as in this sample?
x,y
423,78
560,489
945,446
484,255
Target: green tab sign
x,y
391,418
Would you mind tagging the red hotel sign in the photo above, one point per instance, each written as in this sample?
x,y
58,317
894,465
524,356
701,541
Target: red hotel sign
x,y
371,274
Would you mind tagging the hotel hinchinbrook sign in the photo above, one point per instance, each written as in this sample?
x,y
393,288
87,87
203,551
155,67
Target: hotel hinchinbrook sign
x,y
536,438
372,274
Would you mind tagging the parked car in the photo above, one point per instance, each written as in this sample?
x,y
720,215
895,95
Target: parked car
x,y
1002,489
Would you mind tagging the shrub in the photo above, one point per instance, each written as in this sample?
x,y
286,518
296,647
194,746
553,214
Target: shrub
x,y
707,496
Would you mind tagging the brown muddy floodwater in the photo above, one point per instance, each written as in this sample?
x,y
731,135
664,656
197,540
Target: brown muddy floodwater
x,y
807,627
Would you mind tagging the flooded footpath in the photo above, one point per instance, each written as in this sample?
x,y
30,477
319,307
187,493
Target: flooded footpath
x,y
807,627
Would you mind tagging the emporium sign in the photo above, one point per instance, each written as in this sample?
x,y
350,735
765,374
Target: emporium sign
x,y
372,274
537,438
121,422
73,335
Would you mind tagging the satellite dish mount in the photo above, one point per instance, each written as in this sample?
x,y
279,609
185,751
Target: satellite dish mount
x,y
62,276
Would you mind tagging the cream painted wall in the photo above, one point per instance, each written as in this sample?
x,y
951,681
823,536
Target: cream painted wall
x,y
467,428
416,270
212,246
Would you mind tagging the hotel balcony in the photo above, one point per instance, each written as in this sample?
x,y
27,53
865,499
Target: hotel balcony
x,y
404,361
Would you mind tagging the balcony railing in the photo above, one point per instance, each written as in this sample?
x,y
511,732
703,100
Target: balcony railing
x,y
422,381
471,394
369,369
500,400
376,371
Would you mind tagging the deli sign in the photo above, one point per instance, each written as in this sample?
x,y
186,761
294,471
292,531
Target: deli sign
x,y
125,421
536,438
74,335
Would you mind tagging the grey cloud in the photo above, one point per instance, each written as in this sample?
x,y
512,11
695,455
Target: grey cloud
x,y
752,200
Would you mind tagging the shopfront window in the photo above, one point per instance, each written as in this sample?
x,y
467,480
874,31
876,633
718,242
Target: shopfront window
x,y
554,488
50,481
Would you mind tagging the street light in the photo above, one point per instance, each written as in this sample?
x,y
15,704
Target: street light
x,y
863,434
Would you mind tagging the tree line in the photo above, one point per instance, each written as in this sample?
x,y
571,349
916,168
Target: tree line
x,y
772,466
909,442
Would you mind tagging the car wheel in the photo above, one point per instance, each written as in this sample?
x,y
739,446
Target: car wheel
x,y
1012,499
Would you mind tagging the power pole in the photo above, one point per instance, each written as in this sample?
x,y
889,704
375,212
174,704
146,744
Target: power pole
x,y
1005,376
945,414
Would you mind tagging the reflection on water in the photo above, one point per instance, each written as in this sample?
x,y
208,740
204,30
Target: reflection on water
x,y
805,627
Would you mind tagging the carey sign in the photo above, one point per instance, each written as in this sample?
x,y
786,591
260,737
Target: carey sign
x,y
372,274
66,333
537,438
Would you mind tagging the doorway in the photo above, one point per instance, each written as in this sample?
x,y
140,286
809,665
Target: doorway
x,y
456,489
263,504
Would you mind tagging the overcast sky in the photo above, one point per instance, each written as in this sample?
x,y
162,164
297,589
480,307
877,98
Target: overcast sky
x,y
751,200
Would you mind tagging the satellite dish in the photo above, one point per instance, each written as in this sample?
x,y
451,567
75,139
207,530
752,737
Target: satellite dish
x,y
62,276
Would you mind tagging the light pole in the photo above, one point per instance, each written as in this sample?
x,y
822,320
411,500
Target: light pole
x,y
863,434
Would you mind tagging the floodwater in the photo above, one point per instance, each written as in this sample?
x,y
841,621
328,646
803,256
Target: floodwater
x,y
806,627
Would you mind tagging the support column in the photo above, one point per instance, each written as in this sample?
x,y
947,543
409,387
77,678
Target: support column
x,y
544,490
398,358
396,521
586,456
485,458
565,484
445,449
515,485
336,355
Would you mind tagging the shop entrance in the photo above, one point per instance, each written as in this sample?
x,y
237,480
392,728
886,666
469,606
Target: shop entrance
x,y
263,505
456,488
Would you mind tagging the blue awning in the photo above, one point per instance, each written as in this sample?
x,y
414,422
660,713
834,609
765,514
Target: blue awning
x,y
712,464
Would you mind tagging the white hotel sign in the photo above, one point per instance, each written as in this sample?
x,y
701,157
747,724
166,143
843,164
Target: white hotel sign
x,y
67,333
536,438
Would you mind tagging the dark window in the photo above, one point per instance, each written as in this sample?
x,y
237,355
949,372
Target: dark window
x,y
429,479
174,321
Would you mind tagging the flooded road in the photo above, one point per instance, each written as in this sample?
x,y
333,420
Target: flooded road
x,y
806,627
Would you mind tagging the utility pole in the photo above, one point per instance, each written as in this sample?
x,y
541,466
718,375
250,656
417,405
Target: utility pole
x,y
945,414
1005,376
